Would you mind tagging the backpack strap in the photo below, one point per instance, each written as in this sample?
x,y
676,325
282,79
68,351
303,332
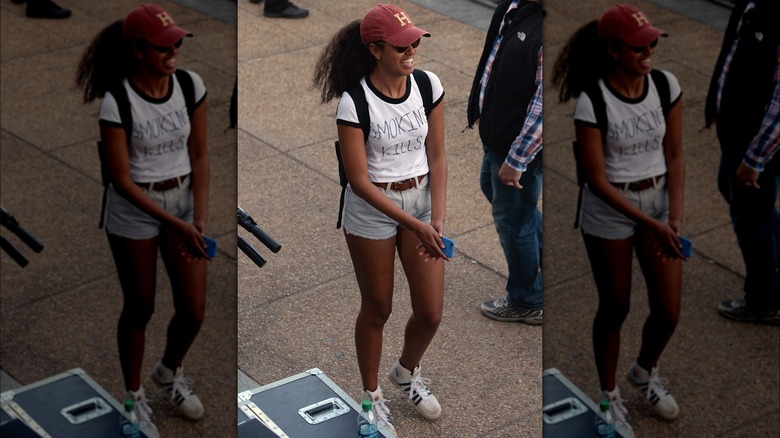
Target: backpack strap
x,y
600,111
426,89
119,93
358,96
662,85
187,89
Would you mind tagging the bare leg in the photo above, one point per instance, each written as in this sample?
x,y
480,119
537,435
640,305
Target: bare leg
x,y
373,261
426,287
610,261
136,265
188,283
664,285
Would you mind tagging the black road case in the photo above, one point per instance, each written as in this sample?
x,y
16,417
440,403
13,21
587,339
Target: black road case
x,y
567,412
305,405
67,405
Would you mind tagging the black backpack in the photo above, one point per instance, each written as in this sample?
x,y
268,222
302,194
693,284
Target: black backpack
x,y
126,115
358,96
600,110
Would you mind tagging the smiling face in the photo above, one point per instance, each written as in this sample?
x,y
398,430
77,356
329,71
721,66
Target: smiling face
x,y
393,62
160,61
635,61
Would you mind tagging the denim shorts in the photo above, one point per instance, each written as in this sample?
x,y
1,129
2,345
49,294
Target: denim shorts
x,y
599,219
124,219
363,220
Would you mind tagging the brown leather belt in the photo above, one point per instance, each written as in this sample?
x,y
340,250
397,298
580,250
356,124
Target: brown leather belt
x,y
638,186
164,185
400,186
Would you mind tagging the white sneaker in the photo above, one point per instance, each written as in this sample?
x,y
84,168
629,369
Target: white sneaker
x,y
143,411
381,412
618,411
417,388
179,387
655,387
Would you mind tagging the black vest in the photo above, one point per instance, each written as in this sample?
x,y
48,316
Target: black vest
x,y
750,80
511,83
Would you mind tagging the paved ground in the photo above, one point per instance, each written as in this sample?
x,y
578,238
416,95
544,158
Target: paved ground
x,y
298,311
60,311
724,375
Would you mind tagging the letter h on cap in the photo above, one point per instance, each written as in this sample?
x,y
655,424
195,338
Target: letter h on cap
x,y
165,18
403,18
640,18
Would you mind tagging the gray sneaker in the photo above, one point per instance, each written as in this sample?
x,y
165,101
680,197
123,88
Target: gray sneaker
x,y
501,310
738,310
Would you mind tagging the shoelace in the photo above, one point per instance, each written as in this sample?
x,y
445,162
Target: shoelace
x,y
658,385
419,385
619,411
144,411
182,385
381,412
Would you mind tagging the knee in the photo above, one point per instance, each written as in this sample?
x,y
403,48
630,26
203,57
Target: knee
x,y
192,317
612,315
137,314
428,320
375,314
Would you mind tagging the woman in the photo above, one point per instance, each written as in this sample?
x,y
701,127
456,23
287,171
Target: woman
x,y
633,196
395,199
158,192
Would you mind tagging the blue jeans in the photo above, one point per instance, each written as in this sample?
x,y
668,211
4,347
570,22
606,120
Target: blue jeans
x,y
519,225
756,223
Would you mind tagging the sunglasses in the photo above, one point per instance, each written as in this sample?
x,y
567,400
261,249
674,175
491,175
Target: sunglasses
x,y
640,49
398,48
161,49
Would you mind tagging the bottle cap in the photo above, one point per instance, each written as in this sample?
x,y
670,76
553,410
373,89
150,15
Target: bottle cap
x,y
129,405
604,405
367,405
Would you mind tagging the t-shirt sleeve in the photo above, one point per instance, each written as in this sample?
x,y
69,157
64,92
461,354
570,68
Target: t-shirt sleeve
x,y
108,115
436,88
346,114
583,111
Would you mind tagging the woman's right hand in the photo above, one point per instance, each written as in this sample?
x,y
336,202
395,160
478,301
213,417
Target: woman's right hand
x,y
430,246
193,243
669,245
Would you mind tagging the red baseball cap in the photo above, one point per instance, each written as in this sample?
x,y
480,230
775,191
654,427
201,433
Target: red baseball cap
x,y
628,24
390,24
152,24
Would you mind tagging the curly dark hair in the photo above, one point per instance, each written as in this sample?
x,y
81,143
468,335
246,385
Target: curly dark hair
x,y
343,63
107,61
584,60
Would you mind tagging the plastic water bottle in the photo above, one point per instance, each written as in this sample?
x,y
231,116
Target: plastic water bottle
x,y
366,423
128,424
605,424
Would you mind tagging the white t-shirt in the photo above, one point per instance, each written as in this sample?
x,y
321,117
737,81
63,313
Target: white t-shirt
x,y
634,143
161,128
395,149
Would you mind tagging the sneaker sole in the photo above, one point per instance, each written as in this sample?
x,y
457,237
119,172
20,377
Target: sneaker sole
x,y
533,320
643,389
178,403
399,386
733,317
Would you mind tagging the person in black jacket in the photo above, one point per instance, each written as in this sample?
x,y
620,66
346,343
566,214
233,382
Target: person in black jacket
x,y
744,103
506,102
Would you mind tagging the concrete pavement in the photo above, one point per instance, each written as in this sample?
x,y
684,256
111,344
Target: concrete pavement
x,y
298,311
724,375
60,312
